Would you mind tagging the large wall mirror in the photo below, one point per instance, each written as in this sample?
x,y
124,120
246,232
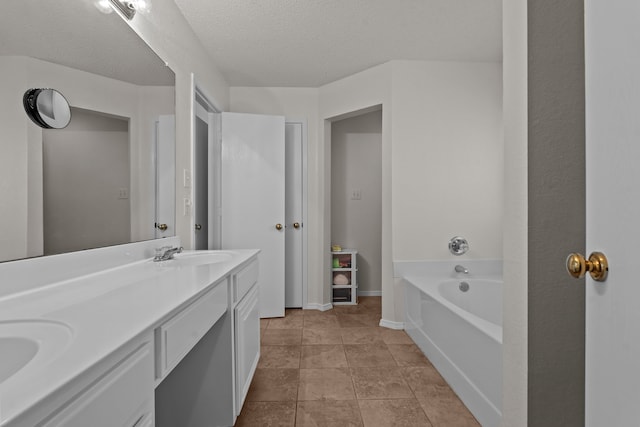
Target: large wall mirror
x,y
108,177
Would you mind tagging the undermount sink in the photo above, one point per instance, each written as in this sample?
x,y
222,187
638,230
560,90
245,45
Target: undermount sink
x,y
199,258
24,342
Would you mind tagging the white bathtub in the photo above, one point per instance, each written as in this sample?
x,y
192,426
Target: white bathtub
x,y
461,334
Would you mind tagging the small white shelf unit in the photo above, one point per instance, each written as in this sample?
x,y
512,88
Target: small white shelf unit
x,y
343,265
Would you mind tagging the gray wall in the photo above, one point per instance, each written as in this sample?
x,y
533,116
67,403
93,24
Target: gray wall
x,y
85,167
356,163
556,212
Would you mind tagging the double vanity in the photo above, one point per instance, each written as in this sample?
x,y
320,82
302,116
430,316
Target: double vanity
x,y
108,337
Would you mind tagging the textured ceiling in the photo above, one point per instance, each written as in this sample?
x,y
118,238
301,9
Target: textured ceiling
x,y
309,43
77,35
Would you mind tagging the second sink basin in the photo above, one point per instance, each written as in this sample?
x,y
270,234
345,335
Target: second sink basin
x,y
195,258
27,341
16,352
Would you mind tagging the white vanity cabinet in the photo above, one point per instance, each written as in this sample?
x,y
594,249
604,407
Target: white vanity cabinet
x,y
246,317
123,396
150,344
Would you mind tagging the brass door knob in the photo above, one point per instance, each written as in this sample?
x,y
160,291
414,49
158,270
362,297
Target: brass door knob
x,y
296,225
162,227
597,265
278,226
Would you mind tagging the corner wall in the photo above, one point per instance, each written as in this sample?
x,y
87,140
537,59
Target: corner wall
x,y
447,159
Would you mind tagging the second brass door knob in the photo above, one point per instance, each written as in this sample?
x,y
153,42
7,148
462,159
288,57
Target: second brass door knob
x,y
597,266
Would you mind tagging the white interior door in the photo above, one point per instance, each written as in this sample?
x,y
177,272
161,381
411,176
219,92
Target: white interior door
x,y
612,37
253,202
294,248
165,176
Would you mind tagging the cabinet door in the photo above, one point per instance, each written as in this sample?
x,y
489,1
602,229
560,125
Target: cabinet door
x,y
124,397
247,320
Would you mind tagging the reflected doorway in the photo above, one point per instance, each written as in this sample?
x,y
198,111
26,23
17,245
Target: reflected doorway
x,y
207,173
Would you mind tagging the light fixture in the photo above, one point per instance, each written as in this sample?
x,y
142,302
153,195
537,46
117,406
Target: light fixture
x,y
128,8
103,6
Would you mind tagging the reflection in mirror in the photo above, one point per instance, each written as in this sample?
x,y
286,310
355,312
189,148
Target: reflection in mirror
x,y
59,186
47,108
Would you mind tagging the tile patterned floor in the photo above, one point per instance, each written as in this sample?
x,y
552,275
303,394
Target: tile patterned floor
x,y
339,368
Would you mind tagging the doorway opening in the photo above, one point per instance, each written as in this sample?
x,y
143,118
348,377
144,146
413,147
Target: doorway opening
x,y
356,195
207,172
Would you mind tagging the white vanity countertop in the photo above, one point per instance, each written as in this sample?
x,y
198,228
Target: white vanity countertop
x,y
102,312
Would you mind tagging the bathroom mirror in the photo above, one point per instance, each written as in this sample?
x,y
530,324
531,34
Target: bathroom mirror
x,y
55,183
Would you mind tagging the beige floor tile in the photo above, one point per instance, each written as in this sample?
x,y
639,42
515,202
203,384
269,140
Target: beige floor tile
x,y
323,413
321,336
422,378
444,408
291,322
272,414
358,320
326,384
321,322
369,355
355,309
393,336
270,385
323,356
380,383
324,344
408,355
393,413
281,337
318,313
293,312
373,303
279,356
361,335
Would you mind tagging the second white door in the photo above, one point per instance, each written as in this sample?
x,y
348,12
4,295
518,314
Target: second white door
x,y
253,198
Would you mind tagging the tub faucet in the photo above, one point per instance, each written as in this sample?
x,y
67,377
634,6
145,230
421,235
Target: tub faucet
x,y
460,269
166,252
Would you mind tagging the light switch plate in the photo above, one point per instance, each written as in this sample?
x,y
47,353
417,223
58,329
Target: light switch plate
x,y
187,206
187,178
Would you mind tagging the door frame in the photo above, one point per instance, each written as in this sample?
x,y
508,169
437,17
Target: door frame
x,y
305,192
202,104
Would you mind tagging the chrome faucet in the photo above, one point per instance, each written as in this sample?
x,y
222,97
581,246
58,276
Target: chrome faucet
x,y
166,252
460,269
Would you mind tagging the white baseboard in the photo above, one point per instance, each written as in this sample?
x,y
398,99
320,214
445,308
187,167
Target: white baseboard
x,y
391,325
320,307
369,293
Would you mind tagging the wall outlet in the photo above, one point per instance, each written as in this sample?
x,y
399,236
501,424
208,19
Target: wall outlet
x,y
123,193
356,194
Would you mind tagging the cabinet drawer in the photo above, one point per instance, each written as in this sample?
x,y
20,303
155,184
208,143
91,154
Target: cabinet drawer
x,y
123,397
244,280
179,334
